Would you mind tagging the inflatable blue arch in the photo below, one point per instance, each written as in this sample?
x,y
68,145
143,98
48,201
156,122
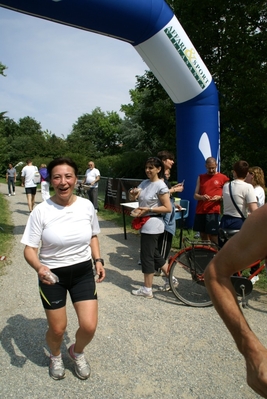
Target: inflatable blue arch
x,y
151,27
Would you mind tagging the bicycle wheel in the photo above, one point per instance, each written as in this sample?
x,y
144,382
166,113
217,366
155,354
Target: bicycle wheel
x,y
186,274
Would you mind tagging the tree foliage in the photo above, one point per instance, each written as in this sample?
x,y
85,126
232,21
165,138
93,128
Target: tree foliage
x,y
96,134
2,72
149,123
231,37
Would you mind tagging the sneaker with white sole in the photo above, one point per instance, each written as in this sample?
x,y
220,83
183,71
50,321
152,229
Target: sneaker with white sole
x,y
56,368
255,279
141,292
81,365
166,286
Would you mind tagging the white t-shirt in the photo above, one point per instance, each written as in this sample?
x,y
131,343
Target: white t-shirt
x,y
260,194
28,172
64,232
91,175
149,198
243,194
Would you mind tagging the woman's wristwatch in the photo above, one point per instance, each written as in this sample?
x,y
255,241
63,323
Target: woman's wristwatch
x,y
99,260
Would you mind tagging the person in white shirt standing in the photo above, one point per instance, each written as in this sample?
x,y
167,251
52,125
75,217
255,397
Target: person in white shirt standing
x,y
92,176
27,180
255,177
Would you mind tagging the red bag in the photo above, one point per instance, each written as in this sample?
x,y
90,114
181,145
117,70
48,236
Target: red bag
x,y
138,222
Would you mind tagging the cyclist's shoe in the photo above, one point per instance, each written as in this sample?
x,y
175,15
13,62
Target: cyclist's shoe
x,y
56,368
81,365
166,286
142,292
255,279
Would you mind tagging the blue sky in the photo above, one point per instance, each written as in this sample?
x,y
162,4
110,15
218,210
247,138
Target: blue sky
x,y
56,73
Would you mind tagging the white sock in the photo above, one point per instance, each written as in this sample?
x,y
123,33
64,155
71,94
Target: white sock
x,y
55,357
146,289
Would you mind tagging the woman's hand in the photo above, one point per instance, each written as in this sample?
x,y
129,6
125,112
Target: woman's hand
x,y
178,188
100,271
134,193
140,212
31,256
43,275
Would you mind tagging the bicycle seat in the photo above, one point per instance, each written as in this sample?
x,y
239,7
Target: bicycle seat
x,y
227,233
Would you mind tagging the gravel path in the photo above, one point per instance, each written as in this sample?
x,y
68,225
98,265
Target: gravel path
x,y
143,348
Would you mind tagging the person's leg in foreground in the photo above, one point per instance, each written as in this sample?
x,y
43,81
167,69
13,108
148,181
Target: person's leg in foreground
x,y
57,321
87,312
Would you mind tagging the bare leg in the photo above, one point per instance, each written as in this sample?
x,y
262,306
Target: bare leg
x,y
148,280
165,269
204,236
214,239
87,313
29,200
33,201
57,323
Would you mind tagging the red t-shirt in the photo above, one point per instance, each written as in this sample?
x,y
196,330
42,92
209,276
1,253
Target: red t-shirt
x,y
211,185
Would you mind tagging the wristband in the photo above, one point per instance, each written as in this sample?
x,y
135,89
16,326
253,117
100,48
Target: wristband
x,y
99,260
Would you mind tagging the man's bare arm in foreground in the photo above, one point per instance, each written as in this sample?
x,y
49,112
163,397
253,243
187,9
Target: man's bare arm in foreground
x,y
246,247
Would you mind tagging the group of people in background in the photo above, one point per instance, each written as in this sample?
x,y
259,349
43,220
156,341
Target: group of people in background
x,y
239,198
92,176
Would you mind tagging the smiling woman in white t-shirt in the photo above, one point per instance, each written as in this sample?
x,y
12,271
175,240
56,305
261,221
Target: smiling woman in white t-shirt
x,y
154,201
65,227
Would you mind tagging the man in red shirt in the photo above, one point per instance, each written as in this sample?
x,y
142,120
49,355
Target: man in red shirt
x,y
208,193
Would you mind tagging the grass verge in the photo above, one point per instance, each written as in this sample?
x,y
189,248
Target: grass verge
x,y
6,230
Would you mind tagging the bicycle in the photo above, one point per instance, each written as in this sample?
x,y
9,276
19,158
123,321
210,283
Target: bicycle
x,y
186,273
80,190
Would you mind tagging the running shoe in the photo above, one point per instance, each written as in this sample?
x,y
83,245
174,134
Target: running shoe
x,y
81,365
56,368
166,286
141,292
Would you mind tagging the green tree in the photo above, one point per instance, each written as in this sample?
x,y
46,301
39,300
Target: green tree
x,y
2,72
149,123
96,134
231,37
2,69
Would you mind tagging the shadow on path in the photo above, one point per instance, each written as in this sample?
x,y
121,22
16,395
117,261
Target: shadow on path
x,y
23,339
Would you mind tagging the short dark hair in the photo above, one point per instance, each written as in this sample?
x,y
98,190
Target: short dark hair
x,y
163,155
62,161
155,161
241,169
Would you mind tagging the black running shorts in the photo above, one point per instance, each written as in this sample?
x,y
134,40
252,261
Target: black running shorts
x,y
77,279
